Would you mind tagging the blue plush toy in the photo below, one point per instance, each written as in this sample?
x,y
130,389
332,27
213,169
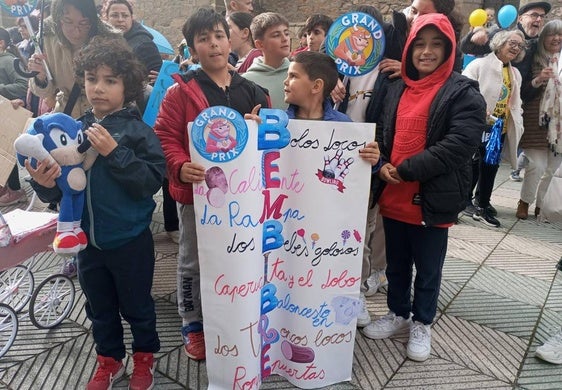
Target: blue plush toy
x,y
57,137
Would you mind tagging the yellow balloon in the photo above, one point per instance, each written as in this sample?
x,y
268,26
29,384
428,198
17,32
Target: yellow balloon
x,y
477,18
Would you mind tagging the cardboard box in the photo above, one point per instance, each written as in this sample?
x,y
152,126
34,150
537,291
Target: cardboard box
x,y
12,124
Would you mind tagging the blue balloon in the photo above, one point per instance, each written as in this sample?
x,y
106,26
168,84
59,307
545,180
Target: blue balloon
x,y
507,15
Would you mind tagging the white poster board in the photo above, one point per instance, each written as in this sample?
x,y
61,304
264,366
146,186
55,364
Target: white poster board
x,y
280,227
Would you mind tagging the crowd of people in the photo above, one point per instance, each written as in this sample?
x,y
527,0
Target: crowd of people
x,y
441,133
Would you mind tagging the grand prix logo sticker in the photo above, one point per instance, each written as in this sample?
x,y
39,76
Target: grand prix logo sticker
x,y
219,134
356,42
18,8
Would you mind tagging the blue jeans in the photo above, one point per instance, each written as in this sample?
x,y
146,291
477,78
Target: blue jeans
x,y
117,283
424,247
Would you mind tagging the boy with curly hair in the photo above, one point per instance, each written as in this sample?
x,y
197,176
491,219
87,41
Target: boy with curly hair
x,y
116,268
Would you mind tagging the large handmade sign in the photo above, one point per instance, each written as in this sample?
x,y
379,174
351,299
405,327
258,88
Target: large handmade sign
x,y
280,222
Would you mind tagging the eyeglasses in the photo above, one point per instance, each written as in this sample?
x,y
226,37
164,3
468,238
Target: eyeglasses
x,y
535,15
82,26
517,45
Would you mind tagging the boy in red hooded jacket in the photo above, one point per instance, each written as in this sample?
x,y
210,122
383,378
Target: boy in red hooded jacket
x,y
431,124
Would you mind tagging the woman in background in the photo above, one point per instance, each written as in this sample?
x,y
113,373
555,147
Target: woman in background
x,y
543,151
12,86
119,13
242,42
500,84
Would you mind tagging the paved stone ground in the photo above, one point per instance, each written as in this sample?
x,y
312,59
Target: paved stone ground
x,y
501,297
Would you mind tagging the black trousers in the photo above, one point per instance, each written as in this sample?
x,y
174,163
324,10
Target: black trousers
x,y
14,179
117,283
486,178
408,245
169,209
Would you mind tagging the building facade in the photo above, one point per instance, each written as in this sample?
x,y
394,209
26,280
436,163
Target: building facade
x,y
168,16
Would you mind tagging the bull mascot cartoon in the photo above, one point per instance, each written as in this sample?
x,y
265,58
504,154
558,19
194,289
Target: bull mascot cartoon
x,y
351,49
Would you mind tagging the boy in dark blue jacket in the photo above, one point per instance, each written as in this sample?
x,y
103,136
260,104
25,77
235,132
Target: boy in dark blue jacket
x,y
116,268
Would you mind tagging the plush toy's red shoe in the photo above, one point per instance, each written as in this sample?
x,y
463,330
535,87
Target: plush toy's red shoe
x,y
66,243
82,239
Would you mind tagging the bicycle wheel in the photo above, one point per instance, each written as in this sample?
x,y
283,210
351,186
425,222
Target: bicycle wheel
x,y
52,301
8,328
16,287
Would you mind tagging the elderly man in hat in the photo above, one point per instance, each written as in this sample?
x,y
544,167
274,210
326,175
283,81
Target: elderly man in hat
x,y
531,20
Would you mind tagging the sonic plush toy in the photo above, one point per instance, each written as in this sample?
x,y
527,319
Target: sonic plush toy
x,y
57,137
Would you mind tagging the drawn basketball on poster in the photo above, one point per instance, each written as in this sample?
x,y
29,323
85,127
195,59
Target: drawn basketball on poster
x,y
219,134
356,42
18,8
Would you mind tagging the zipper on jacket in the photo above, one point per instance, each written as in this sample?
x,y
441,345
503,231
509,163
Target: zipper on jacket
x,y
227,94
92,237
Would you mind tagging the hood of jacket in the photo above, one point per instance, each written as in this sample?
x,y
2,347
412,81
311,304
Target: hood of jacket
x,y
409,72
329,113
138,32
128,112
259,66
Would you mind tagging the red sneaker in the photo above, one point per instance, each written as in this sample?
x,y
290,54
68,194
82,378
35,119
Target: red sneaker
x,y
194,344
143,371
108,371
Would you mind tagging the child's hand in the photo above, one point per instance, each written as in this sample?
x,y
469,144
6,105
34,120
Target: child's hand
x,y
253,116
45,173
152,76
338,93
371,153
100,139
16,103
389,174
192,173
393,67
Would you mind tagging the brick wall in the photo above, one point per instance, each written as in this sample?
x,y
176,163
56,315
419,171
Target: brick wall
x,y
168,16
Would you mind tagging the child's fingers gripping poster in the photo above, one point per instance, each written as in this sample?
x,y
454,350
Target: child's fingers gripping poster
x,y
280,222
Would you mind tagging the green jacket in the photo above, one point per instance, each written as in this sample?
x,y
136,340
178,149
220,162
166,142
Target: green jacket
x,y
12,85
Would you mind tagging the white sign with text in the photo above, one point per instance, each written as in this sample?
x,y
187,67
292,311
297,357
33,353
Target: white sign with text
x,y
280,227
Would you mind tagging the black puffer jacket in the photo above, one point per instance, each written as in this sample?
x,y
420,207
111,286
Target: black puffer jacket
x,y
455,125
140,41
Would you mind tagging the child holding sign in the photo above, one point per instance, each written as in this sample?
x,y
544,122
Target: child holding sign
x,y
431,124
116,268
310,79
207,35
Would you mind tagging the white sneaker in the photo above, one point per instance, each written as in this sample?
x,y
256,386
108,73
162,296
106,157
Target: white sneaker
x,y
386,326
364,318
375,281
551,350
419,345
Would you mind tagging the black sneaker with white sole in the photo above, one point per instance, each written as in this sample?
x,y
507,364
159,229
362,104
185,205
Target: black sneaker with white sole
x,y
484,215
